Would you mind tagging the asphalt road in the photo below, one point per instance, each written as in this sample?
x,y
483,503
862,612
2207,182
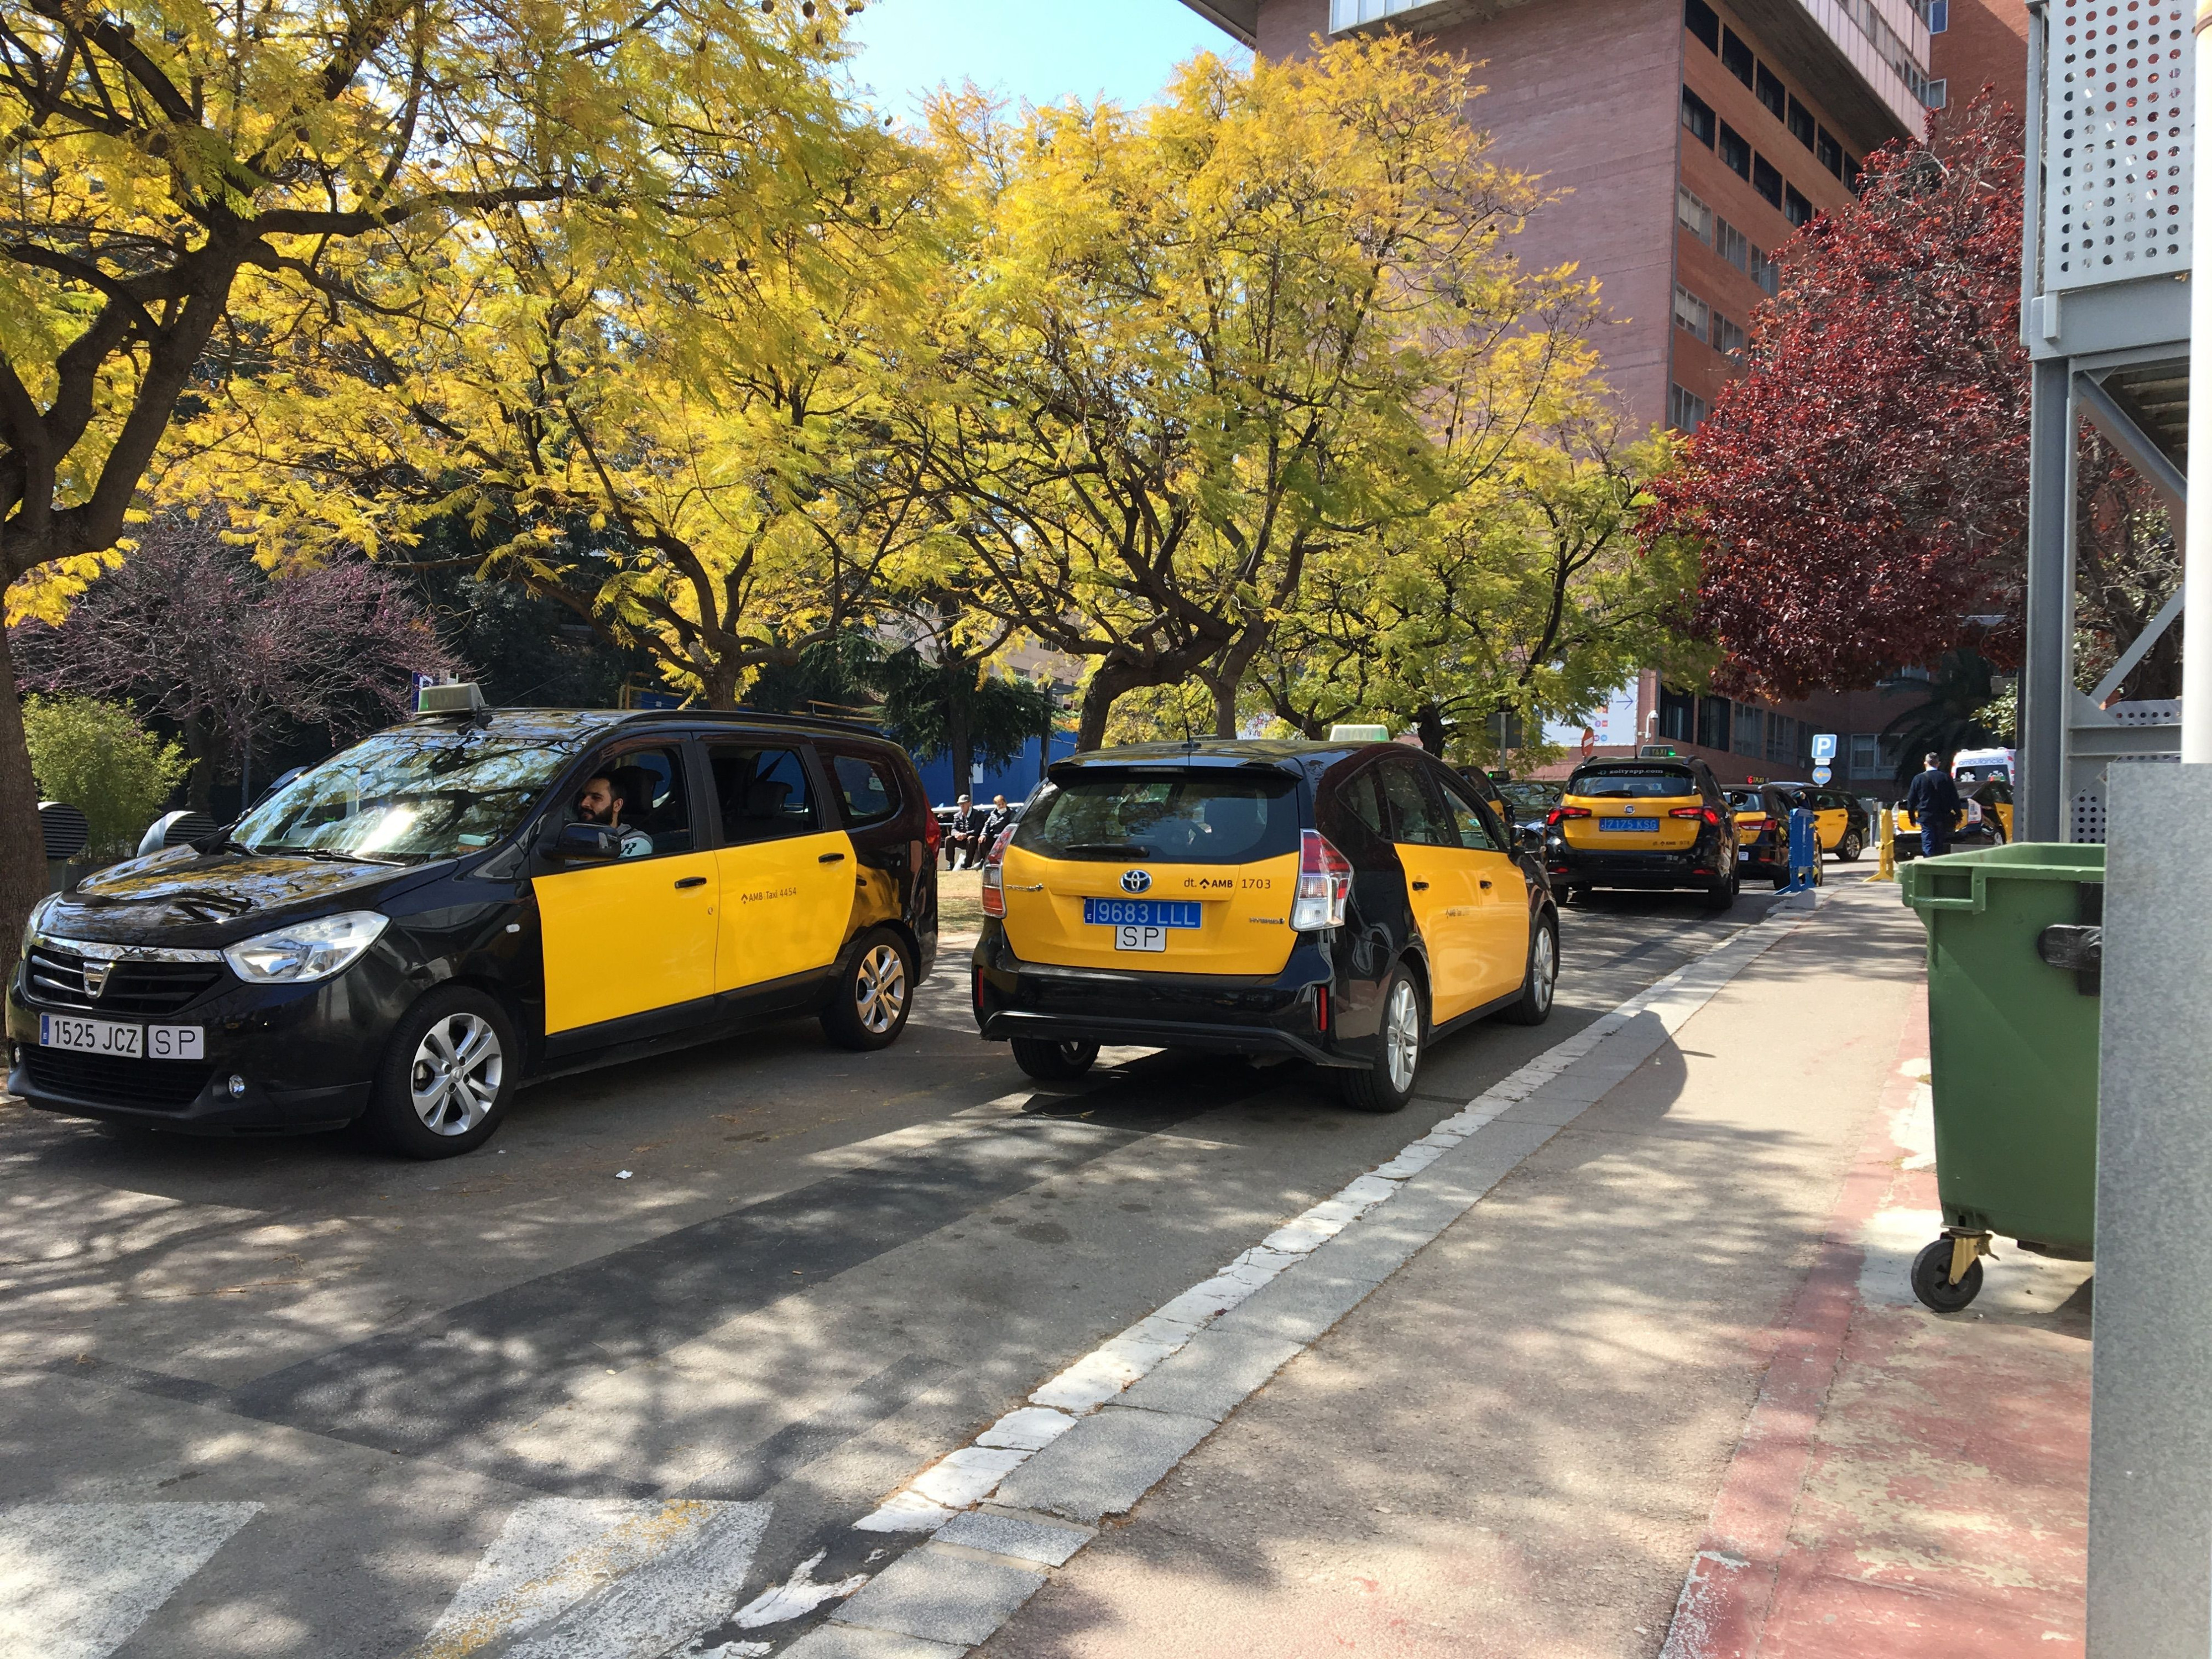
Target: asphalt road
x,y
685,1319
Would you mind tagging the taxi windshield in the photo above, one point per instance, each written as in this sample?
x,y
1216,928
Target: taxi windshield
x,y
1633,783
407,795
1192,817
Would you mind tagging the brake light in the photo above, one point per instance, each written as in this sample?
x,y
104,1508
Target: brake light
x,y
1751,820
933,836
994,876
1558,812
1324,885
1710,814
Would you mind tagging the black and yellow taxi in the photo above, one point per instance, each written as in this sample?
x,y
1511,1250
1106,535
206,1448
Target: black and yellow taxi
x,y
1652,823
414,928
1984,818
1338,902
1839,817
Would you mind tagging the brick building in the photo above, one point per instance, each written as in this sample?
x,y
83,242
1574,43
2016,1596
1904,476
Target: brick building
x,y
1694,137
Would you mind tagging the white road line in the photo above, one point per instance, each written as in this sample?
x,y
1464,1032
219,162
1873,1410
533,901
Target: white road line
x,y
601,1578
954,1483
77,1580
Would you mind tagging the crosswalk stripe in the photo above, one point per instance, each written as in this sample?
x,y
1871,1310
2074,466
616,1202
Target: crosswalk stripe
x,y
601,1578
77,1580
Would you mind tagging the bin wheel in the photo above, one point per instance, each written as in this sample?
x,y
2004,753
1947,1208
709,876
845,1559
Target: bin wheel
x,y
1931,1278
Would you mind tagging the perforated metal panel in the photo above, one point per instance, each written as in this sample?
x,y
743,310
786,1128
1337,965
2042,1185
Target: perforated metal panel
x,y
2118,134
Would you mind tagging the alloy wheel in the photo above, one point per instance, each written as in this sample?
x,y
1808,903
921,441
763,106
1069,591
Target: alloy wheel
x,y
1545,965
1401,1036
880,989
455,1077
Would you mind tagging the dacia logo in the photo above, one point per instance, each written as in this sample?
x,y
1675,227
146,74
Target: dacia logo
x,y
95,978
1136,881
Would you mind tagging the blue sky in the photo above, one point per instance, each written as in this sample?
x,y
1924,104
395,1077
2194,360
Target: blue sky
x,y
1039,50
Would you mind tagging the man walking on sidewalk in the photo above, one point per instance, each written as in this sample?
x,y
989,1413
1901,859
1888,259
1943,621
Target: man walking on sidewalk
x,y
1934,799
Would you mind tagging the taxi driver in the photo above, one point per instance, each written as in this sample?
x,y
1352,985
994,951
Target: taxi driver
x,y
601,801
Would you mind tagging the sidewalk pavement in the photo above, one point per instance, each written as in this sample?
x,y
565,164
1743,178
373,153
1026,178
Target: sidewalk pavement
x,y
1664,1389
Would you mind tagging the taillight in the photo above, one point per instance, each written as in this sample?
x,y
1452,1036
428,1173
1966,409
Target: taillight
x,y
1324,883
1710,814
1560,812
995,877
933,836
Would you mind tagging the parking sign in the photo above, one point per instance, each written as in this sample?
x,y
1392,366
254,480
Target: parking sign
x,y
1824,747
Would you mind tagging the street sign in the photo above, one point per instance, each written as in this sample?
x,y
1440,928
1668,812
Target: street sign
x,y
1824,747
1821,774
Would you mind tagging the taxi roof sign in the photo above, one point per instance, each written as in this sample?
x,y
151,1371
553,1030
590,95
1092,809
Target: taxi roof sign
x,y
1658,751
466,698
1358,733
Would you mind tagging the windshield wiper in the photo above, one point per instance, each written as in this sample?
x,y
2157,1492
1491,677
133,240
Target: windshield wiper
x,y
221,844
1122,849
325,853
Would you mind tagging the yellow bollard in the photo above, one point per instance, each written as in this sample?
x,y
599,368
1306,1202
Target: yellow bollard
x,y
1885,868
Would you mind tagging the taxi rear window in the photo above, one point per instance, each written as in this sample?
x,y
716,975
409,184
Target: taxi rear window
x,y
1184,817
1632,782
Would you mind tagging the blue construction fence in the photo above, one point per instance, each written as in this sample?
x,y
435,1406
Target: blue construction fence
x,y
1014,779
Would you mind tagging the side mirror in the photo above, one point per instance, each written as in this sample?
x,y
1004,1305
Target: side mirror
x,y
586,843
1531,836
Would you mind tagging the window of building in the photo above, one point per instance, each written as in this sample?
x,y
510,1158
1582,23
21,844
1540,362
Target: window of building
x,y
1770,93
1866,754
1937,95
1829,153
1691,314
1795,206
1851,173
1697,117
1764,271
1750,725
1702,20
1765,179
1694,217
1686,410
1726,336
1939,16
1735,57
1731,244
1735,151
1678,715
1713,723
1777,737
1801,124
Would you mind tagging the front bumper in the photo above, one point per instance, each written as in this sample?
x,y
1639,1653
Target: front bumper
x,y
304,1055
1290,1013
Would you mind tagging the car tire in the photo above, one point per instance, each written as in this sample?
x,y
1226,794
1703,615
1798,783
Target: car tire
x,y
1851,846
1051,1062
449,1069
1388,1085
1722,896
868,1007
1542,978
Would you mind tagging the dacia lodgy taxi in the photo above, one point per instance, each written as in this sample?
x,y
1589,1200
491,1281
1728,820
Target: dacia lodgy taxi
x,y
414,928
1647,823
1339,903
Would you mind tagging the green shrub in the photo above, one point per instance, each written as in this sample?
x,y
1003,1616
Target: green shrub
x,y
97,757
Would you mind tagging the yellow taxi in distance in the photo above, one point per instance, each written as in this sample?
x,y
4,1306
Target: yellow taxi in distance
x,y
1985,822
1649,823
1339,902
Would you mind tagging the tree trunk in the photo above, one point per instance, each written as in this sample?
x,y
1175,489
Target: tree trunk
x,y
200,747
22,850
1111,680
958,741
1429,721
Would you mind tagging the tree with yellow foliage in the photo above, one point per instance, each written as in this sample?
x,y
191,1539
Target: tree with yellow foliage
x,y
1186,352
205,201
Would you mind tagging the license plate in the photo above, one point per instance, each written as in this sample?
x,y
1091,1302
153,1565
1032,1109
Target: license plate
x,y
125,1041
1140,938
1743,854
1618,825
1141,913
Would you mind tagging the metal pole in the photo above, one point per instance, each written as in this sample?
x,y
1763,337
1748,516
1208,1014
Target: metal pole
x,y
2045,679
2197,533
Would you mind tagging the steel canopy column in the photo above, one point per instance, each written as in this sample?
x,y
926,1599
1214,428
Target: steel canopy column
x,y
2046,678
2196,536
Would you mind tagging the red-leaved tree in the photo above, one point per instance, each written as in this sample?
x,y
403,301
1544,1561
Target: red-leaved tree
x,y
1860,494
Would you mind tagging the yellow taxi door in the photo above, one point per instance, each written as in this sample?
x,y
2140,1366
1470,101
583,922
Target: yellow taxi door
x,y
1441,886
635,934
786,866
1501,897
1834,818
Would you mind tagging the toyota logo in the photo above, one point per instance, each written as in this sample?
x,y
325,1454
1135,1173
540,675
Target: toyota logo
x,y
1135,881
1628,811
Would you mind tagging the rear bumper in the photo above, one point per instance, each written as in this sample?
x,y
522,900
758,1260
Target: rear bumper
x,y
1222,1014
1700,866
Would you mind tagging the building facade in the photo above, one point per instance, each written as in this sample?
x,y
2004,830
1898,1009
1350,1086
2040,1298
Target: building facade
x,y
1691,139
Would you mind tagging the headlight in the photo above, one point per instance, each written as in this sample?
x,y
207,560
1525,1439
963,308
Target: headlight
x,y
38,914
307,951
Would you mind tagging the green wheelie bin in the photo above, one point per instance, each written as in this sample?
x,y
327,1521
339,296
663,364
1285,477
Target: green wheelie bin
x,y
2016,947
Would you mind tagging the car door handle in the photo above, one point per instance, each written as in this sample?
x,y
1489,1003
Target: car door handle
x,y
692,881
831,858
1485,886
1421,887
